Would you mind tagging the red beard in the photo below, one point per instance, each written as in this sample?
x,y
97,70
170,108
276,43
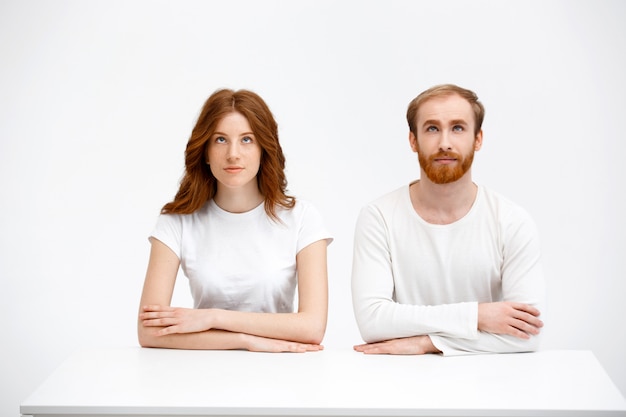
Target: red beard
x,y
444,174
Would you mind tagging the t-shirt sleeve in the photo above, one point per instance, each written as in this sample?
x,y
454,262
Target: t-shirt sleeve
x,y
168,230
312,227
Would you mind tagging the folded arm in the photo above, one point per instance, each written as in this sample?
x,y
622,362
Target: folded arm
x,y
160,325
511,325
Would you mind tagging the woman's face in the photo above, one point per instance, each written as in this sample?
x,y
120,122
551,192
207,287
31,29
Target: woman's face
x,y
233,154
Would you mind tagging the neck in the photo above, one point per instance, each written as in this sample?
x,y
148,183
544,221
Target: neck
x,y
443,203
238,200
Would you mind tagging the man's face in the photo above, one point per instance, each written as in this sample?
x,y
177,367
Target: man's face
x,y
445,141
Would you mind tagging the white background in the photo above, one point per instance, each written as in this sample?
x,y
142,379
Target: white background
x,y
98,99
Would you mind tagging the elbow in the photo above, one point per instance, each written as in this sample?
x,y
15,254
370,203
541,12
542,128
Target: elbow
x,y
313,332
366,330
315,335
369,326
313,339
144,340
146,337
369,335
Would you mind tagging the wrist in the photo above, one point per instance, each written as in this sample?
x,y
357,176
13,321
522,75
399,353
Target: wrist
x,y
243,340
211,319
428,346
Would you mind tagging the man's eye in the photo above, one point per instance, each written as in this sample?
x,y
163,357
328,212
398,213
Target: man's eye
x,y
458,128
431,129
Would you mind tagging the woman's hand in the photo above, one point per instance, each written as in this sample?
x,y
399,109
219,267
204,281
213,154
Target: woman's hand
x,y
263,344
176,320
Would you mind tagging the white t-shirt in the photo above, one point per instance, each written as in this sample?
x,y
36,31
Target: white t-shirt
x,y
241,261
411,277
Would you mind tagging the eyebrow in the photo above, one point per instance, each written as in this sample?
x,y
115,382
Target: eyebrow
x,y
243,134
452,122
430,122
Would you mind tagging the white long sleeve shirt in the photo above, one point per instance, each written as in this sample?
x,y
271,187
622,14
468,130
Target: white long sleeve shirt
x,y
410,277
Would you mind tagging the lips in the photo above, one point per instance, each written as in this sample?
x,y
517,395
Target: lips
x,y
445,157
233,169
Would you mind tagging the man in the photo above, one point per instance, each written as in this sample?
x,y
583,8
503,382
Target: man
x,y
444,265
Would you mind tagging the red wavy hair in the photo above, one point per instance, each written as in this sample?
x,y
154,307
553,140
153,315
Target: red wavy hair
x,y
198,184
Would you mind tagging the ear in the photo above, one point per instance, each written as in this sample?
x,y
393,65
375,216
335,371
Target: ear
x,y
413,141
478,141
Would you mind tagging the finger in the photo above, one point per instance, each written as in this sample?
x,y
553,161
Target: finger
x,y
296,347
168,330
530,319
314,348
375,348
160,322
305,348
516,332
527,308
156,307
375,351
526,327
310,347
152,315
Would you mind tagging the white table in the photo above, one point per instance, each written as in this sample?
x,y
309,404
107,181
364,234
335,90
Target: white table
x,y
161,382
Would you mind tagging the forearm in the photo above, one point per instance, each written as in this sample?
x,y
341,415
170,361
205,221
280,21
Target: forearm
x,y
206,340
485,343
308,324
302,327
384,320
149,336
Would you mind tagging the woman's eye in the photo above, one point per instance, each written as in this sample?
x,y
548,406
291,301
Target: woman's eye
x,y
246,139
220,139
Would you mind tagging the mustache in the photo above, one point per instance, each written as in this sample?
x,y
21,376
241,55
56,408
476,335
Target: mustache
x,y
445,154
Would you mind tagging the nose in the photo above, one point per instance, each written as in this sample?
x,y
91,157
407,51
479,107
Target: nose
x,y
444,141
233,150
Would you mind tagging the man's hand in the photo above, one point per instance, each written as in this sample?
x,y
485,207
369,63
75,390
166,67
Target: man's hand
x,y
175,320
416,345
509,318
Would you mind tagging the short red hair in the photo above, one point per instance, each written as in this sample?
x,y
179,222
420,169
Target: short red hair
x,y
443,90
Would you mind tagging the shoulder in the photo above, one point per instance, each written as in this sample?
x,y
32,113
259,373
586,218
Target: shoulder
x,y
385,210
511,217
305,221
169,219
178,220
301,210
388,202
502,206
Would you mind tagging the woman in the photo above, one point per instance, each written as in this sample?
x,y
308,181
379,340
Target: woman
x,y
240,240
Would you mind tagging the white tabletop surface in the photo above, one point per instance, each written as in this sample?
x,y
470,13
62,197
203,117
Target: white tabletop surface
x,y
137,381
